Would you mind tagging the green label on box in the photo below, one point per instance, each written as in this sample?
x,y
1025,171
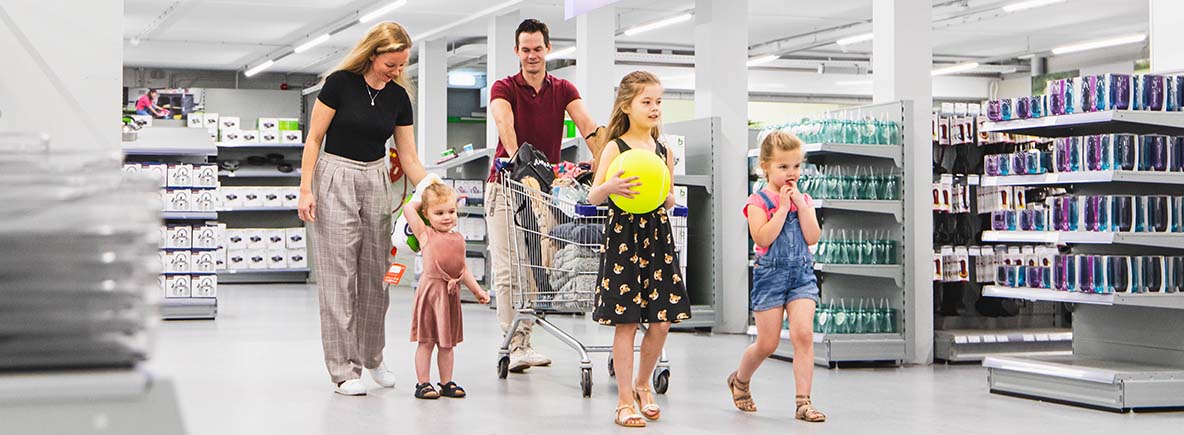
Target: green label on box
x,y
289,124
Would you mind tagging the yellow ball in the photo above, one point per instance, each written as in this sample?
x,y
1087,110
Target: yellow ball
x,y
651,172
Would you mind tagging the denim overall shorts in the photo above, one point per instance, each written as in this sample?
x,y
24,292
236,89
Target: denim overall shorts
x,y
786,272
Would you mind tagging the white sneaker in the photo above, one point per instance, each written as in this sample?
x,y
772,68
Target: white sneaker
x,y
518,361
382,376
536,359
352,387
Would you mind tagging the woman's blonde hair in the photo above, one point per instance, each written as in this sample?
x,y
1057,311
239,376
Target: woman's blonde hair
x,y
385,37
780,140
437,193
631,86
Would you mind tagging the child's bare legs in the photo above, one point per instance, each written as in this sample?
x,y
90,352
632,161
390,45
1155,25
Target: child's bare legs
x,y
423,362
651,350
801,334
623,365
768,336
444,364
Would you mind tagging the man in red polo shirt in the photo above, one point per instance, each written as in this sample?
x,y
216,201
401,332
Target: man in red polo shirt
x,y
527,107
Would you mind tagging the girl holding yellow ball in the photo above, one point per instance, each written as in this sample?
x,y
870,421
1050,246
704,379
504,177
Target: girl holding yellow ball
x,y
639,279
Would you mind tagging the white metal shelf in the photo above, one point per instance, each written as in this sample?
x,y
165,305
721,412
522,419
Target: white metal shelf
x,y
260,145
894,208
693,180
890,271
894,152
835,348
1154,300
259,172
189,215
1082,124
188,308
262,271
171,141
462,160
242,209
1162,240
1079,379
1085,177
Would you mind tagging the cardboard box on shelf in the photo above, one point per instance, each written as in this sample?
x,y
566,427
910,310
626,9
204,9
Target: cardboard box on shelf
x,y
180,175
163,286
277,259
177,286
202,262
158,171
291,136
269,137
177,261
291,197
288,123
681,195
204,200
229,123
272,196
220,259
256,258
268,124
196,120
231,136
131,168
205,175
205,237
256,238
476,265
297,258
212,120
236,259
295,238
231,197
251,197
178,237
472,190
249,136
678,149
204,286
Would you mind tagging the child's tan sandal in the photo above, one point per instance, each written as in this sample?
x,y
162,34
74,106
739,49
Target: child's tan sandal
x,y
741,396
632,419
651,411
807,411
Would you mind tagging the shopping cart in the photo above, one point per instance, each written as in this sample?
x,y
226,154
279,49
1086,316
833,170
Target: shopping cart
x,y
555,249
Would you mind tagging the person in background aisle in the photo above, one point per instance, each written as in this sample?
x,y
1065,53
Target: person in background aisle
x,y
146,105
347,198
527,107
436,317
782,223
639,279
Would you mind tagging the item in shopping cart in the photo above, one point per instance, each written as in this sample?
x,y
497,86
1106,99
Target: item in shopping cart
x,y
650,171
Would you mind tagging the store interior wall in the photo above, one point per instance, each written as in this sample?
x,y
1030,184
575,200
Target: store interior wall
x,y
250,104
148,77
57,77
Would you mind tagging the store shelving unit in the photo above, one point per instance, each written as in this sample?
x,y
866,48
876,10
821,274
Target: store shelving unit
x,y
1128,349
898,283
1084,177
180,145
224,145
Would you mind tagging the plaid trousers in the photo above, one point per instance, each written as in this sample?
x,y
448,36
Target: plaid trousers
x,y
351,247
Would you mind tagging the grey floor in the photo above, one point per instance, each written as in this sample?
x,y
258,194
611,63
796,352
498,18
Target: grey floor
x,y
258,370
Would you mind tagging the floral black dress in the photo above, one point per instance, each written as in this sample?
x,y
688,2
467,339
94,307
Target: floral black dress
x,y
639,279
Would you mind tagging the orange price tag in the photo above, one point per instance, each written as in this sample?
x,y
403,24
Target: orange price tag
x,y
394,274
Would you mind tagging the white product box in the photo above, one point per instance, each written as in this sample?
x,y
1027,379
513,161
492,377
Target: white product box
x,y
220,259
229,123
274,238
236,259
178,237
272,196
277,259
256,238
211,121
204,286
205,175
256,258
678,149
231,197
297,258
164,239
204,200
269,137
268,124
131,168
177,261
163,286
180,175
236,239
472,228
205,237
291,197
472,190
681,195
177,286
295,238
202,262
291,136
178,200
156,170
249,136
196,120
476,265
164,261
251,197
231,136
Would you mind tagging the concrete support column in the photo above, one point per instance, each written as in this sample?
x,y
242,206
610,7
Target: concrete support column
x,y
501,62
1167,30
596,51
902,61
432,94
721,90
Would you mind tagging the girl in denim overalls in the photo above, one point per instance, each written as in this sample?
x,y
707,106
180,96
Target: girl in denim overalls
x,y
782,223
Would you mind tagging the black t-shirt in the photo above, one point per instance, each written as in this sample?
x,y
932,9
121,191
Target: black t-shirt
x,y
359,131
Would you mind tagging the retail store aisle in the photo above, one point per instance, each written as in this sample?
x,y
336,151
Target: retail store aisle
x,y
257,369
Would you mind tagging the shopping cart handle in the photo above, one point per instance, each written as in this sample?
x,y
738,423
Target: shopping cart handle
x,y
587,210
680,211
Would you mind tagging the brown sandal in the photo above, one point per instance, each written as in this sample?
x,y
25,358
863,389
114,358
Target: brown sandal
x,y
741,396
632,419
807,411
650,411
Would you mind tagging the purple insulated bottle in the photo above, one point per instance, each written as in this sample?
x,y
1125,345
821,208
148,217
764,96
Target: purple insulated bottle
x,y
993,111
1023,108
1056,97
1120,91
1087,94
1153,92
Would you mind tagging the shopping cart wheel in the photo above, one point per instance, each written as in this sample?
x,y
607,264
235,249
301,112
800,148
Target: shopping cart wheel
x,y
612,371
586,381
661,380
503,367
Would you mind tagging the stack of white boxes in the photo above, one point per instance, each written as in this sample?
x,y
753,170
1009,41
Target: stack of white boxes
x,y
191,258
266,248
279,131
229,129
244,197
186,187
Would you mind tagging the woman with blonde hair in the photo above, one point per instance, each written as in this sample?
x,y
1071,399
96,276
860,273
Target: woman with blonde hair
x,y
346,197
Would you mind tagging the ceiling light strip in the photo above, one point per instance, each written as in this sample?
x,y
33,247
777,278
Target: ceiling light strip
x,y
1024,5
856,39
954,69
492,10
381,11
665,22
1100,43
311,43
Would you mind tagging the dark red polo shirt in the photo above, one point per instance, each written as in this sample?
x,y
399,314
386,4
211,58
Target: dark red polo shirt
x,y
538,116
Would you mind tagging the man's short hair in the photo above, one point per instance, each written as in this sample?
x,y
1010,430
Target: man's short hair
x,y
531,25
